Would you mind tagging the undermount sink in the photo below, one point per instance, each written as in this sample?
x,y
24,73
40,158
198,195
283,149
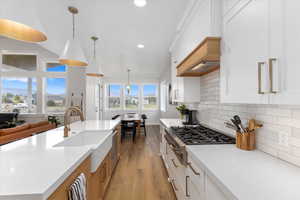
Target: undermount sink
x,y
100,142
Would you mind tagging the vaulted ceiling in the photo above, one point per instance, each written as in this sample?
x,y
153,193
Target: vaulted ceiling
x,y
120,25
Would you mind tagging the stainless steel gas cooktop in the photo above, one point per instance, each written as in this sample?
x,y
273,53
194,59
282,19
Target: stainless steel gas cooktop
x,y
200,135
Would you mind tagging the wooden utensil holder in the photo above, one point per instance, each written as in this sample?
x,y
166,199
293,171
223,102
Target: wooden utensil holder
x,y
245,141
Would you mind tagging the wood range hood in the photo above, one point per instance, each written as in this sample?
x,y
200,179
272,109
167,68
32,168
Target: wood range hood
x,y
203,60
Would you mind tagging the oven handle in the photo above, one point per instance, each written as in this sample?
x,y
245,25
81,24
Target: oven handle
x,y
171,145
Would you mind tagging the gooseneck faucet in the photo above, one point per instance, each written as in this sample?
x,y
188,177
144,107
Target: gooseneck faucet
x,y
67,118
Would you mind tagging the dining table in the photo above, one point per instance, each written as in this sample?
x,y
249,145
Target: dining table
x,y
133,117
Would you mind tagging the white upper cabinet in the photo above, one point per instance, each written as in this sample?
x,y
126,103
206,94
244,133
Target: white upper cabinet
x,y
284,51
260,45
244,51
202,19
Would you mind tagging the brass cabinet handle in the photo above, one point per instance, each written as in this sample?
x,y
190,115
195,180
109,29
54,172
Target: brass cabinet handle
x,y
173,161
271,74
259,77
192,168
186,186
173,184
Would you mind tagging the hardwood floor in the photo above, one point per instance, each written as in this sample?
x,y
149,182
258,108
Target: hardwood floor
x,y
140,174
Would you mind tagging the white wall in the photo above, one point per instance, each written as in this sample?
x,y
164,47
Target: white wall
x,y
76,85
278,121
92,109
171,111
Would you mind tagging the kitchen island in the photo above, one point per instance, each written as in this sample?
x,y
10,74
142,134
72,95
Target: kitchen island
x,y
33,168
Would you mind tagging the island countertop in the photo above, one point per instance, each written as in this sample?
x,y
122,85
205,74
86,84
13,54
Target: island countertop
x,y
29,168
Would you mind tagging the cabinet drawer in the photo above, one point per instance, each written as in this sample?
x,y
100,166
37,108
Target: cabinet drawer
x,y
177,189
194,191
196,174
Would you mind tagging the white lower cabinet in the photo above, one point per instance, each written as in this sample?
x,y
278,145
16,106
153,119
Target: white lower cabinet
x,y
195,181
189,182
212,191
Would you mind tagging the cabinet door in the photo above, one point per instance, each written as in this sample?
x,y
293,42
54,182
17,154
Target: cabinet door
x,y
193,191
285,48
213,192
244,46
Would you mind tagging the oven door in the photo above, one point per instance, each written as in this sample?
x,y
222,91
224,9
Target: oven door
x,y
179,151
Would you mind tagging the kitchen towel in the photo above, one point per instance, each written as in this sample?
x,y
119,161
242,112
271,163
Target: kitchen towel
x,y
77,190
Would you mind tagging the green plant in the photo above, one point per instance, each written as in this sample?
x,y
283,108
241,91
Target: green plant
x,y
54,120
181,108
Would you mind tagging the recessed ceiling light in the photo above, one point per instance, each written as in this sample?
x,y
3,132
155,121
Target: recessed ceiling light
x,y
140,46
140,3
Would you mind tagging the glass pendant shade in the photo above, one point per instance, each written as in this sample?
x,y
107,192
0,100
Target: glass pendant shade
x,y
128,82
18,20
72,54
94,68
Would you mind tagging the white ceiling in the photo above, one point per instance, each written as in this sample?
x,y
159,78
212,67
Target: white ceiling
x,y
120,26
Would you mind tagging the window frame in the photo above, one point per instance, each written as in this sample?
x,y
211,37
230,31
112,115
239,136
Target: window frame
x,y
156,96
40,75
140,107
107,97
46,96
138,96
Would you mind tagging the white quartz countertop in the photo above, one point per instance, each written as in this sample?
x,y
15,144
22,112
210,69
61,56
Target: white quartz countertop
x,y
32,168
248,175
171,122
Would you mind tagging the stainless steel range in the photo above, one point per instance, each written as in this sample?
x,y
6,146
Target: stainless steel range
x,y
179,137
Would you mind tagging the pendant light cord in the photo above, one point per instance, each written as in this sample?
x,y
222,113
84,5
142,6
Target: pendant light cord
x,y
94,48
73,16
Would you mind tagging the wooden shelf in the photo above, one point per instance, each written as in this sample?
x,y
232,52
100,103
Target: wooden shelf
x,y
207,51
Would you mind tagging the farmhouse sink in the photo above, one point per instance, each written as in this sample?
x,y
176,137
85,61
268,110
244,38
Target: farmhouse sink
x,y
100,143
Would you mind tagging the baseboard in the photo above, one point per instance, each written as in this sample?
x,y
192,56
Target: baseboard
x,y
153,124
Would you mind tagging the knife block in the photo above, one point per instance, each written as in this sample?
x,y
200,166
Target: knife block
x,y
245,141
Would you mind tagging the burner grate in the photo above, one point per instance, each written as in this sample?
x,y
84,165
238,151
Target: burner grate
x,y
201,135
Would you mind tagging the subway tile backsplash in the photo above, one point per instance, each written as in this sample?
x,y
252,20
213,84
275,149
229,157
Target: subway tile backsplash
x,y
280,135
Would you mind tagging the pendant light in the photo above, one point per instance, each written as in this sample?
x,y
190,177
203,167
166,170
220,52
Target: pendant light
x,y
128,82
73,55
18,21
94,69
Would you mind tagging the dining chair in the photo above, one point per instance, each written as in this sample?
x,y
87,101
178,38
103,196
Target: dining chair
x,y
115,117
128,126
143,123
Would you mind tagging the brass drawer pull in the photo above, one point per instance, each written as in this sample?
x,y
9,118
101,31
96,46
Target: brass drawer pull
x,y
260,64
192,168
173,161
271,74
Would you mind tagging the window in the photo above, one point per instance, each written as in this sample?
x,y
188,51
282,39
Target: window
x,y
55,95
150,97
132,98
114,96
55,67
18,95
20,73
19,63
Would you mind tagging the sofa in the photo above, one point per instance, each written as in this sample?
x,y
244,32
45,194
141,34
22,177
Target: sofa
x,y
9,120
26,130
